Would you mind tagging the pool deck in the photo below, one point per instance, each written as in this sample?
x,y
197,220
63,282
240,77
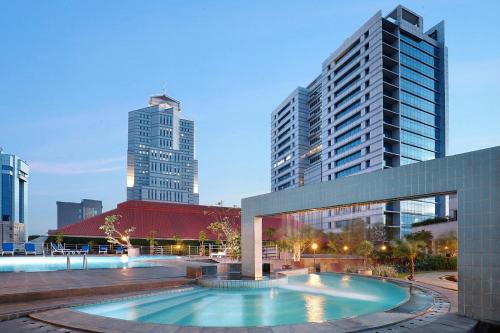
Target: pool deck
x,y
56,291
25,292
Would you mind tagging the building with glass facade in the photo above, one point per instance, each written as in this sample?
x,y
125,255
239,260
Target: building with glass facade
x,y
13,198
384,103
161,158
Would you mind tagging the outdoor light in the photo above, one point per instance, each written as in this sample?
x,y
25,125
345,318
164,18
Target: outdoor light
x,y
346,247
178,246
314,246
383,248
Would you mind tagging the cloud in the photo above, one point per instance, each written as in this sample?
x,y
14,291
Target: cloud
x,y
78,168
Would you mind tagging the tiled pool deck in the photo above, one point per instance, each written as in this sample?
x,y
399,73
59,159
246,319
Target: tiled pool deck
x,y
22,293
56,291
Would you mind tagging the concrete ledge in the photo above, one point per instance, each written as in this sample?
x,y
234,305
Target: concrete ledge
x,y
253,284
293,272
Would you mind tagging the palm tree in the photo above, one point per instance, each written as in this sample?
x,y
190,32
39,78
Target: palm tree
x,y
365,249
408,249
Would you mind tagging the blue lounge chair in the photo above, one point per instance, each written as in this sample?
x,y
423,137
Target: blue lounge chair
x,y
119,250
84,249
29,248
103,249
8,248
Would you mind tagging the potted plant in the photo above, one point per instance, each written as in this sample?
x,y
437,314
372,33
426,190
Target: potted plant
x,y
365,250
114,236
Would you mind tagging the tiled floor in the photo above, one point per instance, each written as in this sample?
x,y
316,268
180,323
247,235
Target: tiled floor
x,y
21,293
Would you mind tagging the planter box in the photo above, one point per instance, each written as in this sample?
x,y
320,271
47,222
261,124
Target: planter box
x,y
365,272
133,252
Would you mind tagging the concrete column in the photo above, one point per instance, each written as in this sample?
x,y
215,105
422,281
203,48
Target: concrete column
x,y
251,246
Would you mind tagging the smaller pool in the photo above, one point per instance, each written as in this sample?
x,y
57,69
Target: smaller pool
x,y
312,298
56,263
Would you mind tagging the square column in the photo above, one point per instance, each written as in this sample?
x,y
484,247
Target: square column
x,y
251,245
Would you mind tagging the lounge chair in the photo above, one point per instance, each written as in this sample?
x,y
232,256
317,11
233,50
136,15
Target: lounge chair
x,y
219,254
103,249
60,249
119,250
8,248
29,248
84,249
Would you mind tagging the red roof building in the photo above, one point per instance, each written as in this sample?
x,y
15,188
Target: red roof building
x,y
167,219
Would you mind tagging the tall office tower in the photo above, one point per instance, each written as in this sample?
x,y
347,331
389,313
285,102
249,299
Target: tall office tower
x,y
384,103
14,198
161,159
72,212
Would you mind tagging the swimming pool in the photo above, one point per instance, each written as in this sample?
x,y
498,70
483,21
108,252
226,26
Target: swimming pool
x,y
55,263
312,298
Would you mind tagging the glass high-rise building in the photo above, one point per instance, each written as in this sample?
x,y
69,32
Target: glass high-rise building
x,y
161,159
13,198
383,102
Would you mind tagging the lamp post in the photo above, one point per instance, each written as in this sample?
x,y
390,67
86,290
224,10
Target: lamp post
x,y
345,248
314,247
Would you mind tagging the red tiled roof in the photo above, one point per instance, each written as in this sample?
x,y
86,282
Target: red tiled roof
x,y
167,219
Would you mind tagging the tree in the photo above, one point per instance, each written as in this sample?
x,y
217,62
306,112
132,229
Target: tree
x,y
365,250
408,249
202,237
334,242
354,233
270,233
226,224
300,237
448,243
59,237
113,234
152,240
285,245
423,236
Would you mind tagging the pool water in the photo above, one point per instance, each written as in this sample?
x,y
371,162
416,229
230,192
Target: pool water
x,y
312,298
55,263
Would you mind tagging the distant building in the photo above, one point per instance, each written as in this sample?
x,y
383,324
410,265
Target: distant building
x,y
72,212
161,157
380,101
14,198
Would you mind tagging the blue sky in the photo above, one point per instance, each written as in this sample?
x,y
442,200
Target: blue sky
x,y
71,70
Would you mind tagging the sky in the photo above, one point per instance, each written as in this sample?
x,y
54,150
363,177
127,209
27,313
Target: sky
x,y
71,70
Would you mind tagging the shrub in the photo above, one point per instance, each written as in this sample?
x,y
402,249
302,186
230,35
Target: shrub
x,y
350,269
385,271
430,263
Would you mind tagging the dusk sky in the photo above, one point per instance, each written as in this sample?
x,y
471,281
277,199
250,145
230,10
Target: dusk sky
x,y
71,70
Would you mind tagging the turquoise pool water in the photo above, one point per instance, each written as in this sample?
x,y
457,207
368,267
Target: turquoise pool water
x,y
310,298
55,263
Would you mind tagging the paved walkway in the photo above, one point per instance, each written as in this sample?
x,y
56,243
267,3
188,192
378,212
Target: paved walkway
x,y
434,278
